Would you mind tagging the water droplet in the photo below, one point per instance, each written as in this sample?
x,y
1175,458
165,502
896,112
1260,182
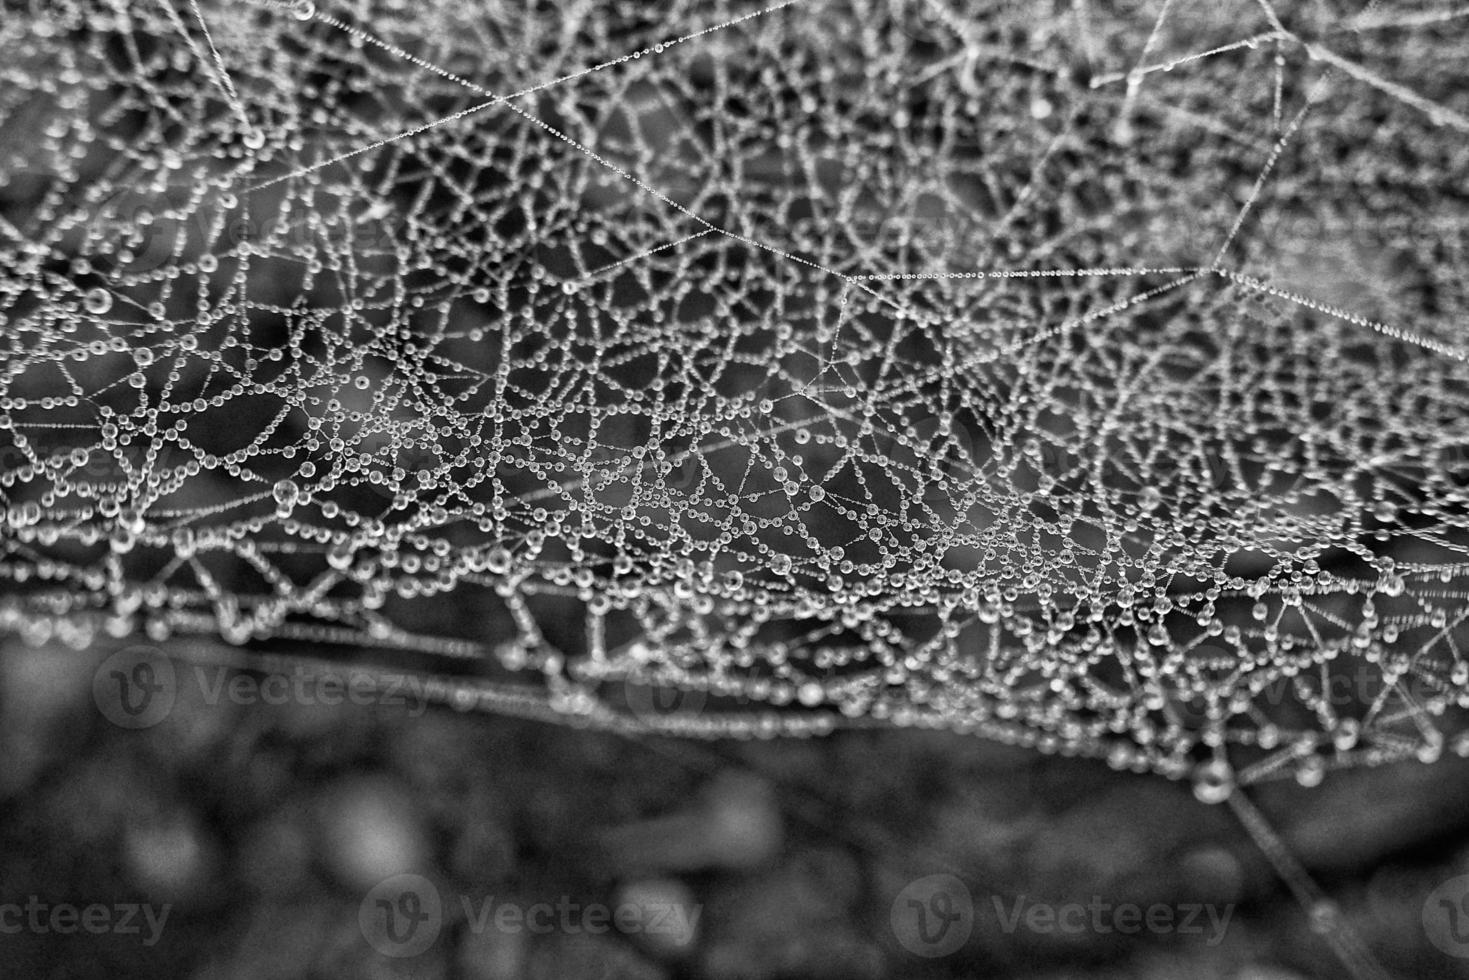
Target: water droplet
x,y
340,555
97,301
1311,771
1213,781
1324,916
286,495
498,560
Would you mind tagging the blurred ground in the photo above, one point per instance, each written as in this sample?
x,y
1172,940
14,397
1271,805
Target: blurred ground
x,y
269,831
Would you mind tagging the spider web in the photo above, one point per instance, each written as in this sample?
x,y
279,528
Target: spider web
x,y
1087,377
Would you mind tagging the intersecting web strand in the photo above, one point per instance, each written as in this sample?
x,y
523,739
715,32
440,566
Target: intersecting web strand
x,y
1089,379
357,33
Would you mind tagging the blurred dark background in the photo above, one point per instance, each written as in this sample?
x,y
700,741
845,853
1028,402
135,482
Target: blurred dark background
x,y
259,832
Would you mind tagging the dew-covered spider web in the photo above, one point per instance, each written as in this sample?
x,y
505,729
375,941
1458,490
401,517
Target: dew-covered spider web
x,y
1088,376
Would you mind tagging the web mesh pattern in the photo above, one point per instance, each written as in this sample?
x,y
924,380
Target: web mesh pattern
x,y
1087,376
